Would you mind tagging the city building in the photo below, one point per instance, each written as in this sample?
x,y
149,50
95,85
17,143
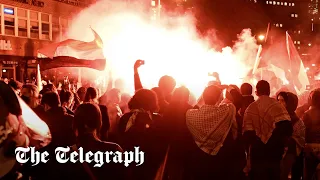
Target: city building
x,y
28,25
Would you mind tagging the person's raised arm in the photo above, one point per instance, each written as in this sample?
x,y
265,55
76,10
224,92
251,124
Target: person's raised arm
x,y
137,81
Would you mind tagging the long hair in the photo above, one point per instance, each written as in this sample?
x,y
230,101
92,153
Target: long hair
x,y
144,99
91,95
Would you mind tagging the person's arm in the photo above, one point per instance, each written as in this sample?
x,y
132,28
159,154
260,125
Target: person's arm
x,y
137,81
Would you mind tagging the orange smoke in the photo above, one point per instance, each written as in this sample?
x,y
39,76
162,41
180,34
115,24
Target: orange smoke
x,y
170,47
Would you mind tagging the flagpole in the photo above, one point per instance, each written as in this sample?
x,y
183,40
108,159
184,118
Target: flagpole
x,y
39,81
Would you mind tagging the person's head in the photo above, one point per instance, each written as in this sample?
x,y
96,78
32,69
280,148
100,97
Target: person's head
x,y
91,95
263,88
30,94
114,96
282,98
66,98
167,84
82,93
212,95
50,100
181,94
51,87
159,93
288,100
16,86
310,96
87,119
5,79
246,89
315,99
144,99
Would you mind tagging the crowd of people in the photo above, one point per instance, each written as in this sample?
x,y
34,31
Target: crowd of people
x,y
229,134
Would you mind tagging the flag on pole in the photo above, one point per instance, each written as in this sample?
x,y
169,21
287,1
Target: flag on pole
x,y
75,47
297,75
74,53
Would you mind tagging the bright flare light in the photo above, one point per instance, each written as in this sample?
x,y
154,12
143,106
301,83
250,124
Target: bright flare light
x,y
261,37
171,47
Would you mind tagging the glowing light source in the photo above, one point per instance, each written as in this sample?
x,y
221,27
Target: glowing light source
x,y
313,65
261,37
307,69
309,44
4,70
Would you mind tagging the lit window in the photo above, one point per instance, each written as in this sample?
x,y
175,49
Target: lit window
x,y
278,3
295,42
292,4
281,3
8,10
277,25
153,3
9,21
292,15
296,15
298,42
280,25
285,3
22,23
298,47
299,32
274,3
289,4
267,2
270,2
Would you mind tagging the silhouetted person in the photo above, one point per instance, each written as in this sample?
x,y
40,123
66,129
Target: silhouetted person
x,y
266,127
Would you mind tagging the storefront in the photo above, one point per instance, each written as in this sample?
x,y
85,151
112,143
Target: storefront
x,y
18,57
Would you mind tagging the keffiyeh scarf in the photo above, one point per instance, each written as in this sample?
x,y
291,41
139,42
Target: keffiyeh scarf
x,y
133,117
262,115
210,126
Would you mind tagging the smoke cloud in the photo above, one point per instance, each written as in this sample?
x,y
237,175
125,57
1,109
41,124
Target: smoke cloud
x,y
171,46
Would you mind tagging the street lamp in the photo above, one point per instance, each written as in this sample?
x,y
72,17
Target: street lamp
x,y
261,37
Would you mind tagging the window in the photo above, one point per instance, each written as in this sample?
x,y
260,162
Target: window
x,y
277,25
285,3
8,20
296,15
299,32
45,26
292,4
295,42
26,22
278,3
281,3
292,15
267,2
153,3
55,29
34,25
8,10
22,23
280,25
298,42
274,3
289,4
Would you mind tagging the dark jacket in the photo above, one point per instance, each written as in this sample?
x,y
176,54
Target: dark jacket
x,y
61,126
146,134
107,171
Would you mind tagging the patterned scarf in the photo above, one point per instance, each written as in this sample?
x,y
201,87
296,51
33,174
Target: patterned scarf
x,y
133,117
262,115
210,126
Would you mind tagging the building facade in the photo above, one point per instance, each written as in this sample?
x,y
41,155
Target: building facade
x,y
28,25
